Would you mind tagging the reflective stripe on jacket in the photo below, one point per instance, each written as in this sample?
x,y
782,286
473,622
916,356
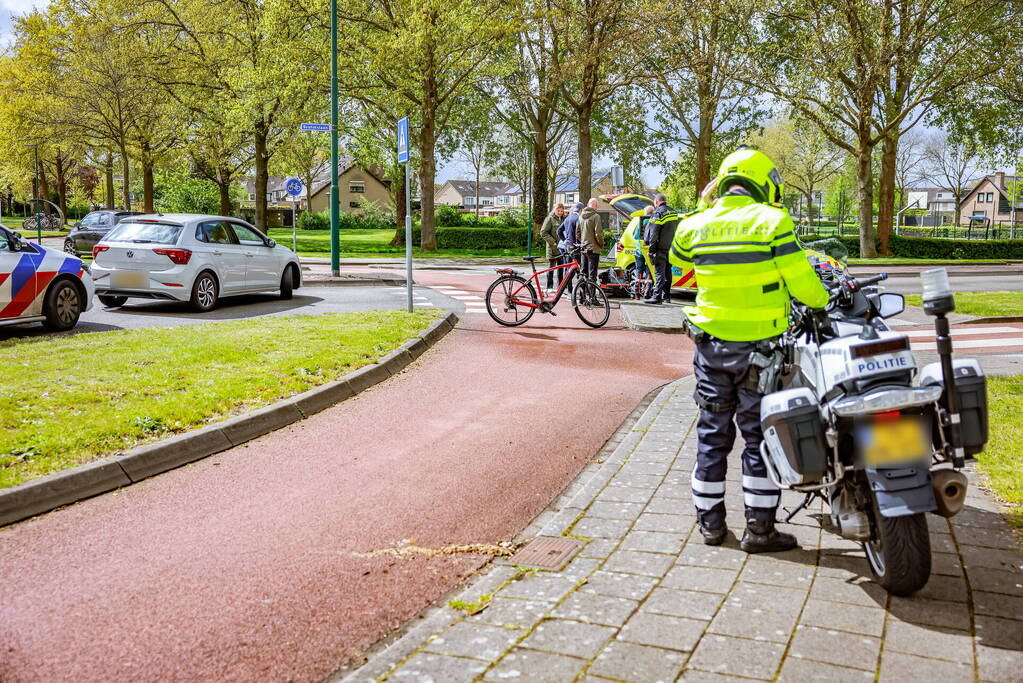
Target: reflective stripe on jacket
x,y
748,264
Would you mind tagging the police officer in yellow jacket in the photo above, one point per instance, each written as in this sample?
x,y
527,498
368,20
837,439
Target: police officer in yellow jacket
x,y
748,264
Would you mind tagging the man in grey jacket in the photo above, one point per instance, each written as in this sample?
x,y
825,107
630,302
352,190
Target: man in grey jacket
x,y
589,233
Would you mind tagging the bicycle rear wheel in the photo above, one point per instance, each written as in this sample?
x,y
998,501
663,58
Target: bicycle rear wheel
x,y
590,303
504,300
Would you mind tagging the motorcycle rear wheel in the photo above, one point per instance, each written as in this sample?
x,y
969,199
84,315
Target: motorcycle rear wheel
x,y
900,556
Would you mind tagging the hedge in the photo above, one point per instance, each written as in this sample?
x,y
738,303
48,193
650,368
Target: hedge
x,y
934,248
310,220
480,239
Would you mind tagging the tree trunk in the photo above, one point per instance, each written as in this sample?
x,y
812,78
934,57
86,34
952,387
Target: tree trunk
x,y
399,213
224,185
427,176
809,207
147,179
125,178
262,175
865,188
44,190
886,191
540,206
61,185
108,173
585,150
477,192
702,149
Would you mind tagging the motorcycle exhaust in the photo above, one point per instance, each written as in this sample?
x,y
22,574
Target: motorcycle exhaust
x,y
949,491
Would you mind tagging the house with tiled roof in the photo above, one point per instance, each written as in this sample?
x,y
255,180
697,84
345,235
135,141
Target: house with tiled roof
x,y
991,198
494,196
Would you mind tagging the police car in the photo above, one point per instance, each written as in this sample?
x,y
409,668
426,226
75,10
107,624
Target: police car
x,y
39,284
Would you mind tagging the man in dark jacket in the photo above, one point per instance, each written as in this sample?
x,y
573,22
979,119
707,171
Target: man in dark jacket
x,y
567,234
660,233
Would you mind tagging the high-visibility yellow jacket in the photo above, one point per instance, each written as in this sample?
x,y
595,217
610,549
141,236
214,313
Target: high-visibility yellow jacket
x,y
748,265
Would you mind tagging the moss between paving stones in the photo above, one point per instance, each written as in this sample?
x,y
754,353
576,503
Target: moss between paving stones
x,y
77,398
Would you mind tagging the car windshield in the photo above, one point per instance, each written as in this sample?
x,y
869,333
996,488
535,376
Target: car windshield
x,y
157,233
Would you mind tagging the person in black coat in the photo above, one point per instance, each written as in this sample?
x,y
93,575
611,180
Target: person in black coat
x,y
659,236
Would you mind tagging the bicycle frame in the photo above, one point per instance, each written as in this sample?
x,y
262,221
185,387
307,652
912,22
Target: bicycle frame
x,y
545,303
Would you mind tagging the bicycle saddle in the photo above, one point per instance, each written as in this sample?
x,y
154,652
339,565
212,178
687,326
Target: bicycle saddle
x,y
534,258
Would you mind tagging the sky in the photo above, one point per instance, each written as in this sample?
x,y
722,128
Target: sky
x,y
9,8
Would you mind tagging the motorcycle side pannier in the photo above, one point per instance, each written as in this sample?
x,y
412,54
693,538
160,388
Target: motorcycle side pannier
x,y
794,435
971,389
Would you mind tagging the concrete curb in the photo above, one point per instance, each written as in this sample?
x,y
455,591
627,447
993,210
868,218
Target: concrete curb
x,y
356,282
63,488
997,319
666,319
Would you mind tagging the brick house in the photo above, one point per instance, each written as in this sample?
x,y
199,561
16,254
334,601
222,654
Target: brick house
x,y
989,198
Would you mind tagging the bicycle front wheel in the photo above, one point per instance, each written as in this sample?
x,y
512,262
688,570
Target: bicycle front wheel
x,y
506,299
590,304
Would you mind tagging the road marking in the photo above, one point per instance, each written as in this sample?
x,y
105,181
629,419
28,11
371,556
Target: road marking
x,y
960,331
967,344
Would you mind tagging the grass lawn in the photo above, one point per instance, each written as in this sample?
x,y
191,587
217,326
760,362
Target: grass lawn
x,y
76,398
1002,462
981,303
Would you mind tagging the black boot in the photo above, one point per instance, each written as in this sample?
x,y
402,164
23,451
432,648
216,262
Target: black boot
x,y
652,300
713,535
762,537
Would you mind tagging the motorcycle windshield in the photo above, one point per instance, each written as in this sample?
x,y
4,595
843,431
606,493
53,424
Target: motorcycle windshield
x,y
830,252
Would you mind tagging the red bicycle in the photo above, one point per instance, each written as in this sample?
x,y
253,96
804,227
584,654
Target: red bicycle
x,y
512,299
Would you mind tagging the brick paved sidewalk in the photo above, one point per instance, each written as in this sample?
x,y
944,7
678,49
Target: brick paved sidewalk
x,y
646,600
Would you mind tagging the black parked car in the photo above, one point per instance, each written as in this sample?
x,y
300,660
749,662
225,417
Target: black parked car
x,y
87,232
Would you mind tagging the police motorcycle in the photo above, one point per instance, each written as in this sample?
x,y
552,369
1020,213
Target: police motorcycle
x,y
854,422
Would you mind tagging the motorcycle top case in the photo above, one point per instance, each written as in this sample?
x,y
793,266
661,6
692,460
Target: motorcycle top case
x,y
971,389
794,435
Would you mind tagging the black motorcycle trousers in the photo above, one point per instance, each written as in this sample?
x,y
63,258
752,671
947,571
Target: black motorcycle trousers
x,y
721,370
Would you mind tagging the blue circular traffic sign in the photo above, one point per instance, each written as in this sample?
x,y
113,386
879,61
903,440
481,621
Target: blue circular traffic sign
x,y
293,187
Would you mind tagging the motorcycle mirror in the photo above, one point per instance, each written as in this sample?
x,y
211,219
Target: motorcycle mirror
x,y
891,304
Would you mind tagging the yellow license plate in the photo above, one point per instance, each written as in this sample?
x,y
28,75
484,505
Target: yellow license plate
x,y
894,440
128,279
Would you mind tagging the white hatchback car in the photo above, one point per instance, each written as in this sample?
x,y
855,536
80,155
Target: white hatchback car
x,y
189,257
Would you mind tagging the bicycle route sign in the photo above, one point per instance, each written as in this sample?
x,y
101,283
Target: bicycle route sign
x,y
293,187
403,151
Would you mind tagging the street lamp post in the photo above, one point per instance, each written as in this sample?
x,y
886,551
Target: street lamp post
x,y
335,199
35,189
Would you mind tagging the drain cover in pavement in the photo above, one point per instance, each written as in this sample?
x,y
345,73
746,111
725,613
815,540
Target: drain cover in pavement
x,y
545,552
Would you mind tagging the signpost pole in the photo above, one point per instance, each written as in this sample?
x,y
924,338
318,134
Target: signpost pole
x,y
294,226
335,200
405,156
408,238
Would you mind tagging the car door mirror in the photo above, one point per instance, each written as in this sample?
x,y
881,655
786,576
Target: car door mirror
x,y
891,304
271,243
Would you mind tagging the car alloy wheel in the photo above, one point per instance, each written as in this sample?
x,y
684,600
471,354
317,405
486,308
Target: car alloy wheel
x,y
67,305
206,291
69,247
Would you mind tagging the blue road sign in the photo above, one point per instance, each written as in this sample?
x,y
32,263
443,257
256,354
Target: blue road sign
x,y
293,187
319,127
403,155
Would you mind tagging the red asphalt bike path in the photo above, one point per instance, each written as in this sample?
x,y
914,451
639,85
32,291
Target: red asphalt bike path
x,y
251,565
